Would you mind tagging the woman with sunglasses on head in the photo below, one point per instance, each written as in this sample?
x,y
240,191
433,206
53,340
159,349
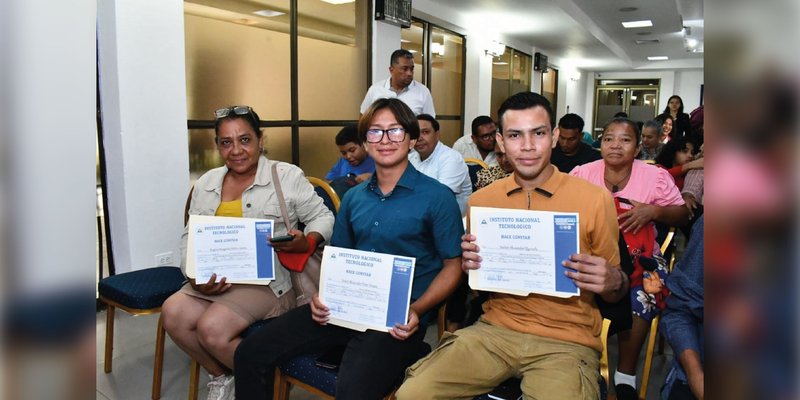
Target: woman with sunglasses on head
x,y
205,319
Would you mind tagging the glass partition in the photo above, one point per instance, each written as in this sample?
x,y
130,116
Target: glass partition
x,y
511,73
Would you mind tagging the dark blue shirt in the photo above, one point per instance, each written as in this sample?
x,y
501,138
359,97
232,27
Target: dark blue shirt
x,y
420,218
682,319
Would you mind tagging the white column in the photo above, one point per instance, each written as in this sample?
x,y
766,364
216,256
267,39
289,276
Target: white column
x,y
48,126
143,99
478,87
385,40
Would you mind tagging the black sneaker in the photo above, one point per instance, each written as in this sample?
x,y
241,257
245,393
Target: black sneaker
x,y
626,392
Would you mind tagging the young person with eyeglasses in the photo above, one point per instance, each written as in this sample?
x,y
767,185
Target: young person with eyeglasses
x,y
205,319
398,211
480,144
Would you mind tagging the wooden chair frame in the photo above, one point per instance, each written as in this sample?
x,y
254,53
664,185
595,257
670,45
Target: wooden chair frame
x,y
328,189
158,362
476,161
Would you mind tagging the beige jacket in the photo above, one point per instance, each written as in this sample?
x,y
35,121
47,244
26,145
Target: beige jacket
x,y
261,201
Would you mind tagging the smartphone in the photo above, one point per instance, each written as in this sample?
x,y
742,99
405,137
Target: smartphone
x,y
331,359
284,238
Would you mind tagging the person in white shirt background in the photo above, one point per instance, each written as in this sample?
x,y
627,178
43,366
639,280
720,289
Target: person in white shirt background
x,y
480,144
434,159
401,85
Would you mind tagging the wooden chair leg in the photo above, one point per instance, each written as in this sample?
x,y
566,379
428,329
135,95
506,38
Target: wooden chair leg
x,y
158,360
281,386
648,358
194,379
109,338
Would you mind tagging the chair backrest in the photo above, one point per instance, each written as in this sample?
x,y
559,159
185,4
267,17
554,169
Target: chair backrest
x,y
475,161
474,165
324,190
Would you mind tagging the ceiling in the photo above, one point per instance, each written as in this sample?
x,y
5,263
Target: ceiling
x,y
574,34
584,34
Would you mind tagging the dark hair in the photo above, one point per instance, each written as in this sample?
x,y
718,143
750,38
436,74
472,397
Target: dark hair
x,y
479,121
395,59
621,114
666,157
524,101
658,126
405,117
663,118
625,121
680,109
251,118
571,121
348,134
429,118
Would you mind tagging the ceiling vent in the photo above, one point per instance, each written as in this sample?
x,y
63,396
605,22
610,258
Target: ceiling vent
x,y
648,41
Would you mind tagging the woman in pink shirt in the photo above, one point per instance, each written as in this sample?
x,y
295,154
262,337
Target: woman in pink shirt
x,y
644,194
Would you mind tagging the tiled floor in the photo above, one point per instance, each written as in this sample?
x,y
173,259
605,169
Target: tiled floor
x,y
131,377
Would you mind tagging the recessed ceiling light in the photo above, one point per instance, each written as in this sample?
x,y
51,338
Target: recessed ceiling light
x,y
268,13
338,1
628,9
405,41
500,63
658,58
412,51
638,24
647,41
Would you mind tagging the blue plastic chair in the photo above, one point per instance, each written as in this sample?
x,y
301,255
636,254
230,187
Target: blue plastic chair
x,y
139,292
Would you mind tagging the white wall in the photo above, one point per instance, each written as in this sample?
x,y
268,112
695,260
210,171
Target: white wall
x,y
572,95
143,99
48,122
385,40
687,85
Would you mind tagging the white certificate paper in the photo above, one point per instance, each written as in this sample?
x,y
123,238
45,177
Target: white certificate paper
x,y
522,251
366,290
234,248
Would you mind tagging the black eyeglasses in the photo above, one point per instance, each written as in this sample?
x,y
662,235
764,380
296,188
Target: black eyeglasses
x,y
235,110
394,135
486,136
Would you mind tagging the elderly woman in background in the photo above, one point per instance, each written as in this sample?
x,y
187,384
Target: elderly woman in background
x,y
644,194
205,319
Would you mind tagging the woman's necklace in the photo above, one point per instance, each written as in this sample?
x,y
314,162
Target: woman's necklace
x,y
615,186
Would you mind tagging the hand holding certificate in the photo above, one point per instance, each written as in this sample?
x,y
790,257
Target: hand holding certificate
x,y
365,290
234,248
522,251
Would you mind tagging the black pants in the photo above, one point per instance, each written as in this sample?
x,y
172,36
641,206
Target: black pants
x,y
372,364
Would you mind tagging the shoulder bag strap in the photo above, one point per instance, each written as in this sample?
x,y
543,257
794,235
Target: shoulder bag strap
x,y
279,191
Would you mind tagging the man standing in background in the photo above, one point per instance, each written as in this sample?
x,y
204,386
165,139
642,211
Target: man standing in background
x,y
401,85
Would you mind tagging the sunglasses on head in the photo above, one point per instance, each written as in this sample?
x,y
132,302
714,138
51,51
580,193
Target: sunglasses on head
x,y
232,110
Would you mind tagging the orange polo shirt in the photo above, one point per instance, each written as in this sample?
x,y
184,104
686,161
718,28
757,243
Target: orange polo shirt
x,y
575,319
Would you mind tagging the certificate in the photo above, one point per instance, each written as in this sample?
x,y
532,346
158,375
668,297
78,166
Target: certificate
x,y
522,251
234,248
365,290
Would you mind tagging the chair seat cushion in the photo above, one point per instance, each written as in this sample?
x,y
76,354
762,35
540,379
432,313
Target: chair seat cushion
x,y
304,368
142,289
